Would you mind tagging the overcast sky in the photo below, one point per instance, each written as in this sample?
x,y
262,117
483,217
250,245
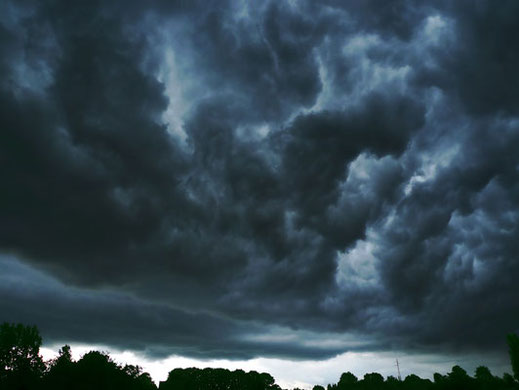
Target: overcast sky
x,y
317,186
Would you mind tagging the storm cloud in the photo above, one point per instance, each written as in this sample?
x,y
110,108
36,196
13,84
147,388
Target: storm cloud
x,y
228,179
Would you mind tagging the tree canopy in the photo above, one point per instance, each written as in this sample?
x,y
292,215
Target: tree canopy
x,y
513,345
22,368
20,361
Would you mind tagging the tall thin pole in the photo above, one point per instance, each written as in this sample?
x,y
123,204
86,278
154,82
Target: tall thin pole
x,y
398,368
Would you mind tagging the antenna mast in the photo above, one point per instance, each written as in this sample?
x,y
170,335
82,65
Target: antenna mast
x,y
398,368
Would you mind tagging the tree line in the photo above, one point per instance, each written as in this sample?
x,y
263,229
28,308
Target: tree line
x,y
23,368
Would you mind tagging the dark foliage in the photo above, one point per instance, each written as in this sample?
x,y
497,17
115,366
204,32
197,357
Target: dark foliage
x,y
513,344
22,368
217,379
457,379
94,370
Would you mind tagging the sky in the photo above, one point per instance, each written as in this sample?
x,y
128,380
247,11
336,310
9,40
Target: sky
x,y
299,187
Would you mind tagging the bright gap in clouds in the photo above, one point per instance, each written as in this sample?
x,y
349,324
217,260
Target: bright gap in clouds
x,y
304,374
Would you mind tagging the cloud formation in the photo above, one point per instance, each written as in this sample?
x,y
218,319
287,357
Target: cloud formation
x,y
225,179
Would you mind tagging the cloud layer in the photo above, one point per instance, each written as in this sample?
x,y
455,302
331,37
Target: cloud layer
x,y
225,179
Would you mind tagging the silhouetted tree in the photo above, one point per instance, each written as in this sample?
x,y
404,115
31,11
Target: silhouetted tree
x,y
392,383
347,381
484,379
217,379
145,382
95,370
513,349
440,381
483,374
331,386
413,381
459,379
21,365
22,368
508,381
140,380
372,380
60,371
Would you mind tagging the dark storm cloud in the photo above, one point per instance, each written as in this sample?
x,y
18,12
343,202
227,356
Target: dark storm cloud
x,y
479,67
455,237
321,145
66,315
263,61
347,169
110,169
397,18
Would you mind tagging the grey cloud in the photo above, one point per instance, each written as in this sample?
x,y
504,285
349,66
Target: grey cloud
x,y
397,18
479,68
444,247
320,146
297,151
66,314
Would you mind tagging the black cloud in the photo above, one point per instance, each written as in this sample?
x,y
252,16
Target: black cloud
x,y
346,169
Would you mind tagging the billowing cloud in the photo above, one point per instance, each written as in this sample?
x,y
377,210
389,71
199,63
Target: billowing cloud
x,y
234,179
